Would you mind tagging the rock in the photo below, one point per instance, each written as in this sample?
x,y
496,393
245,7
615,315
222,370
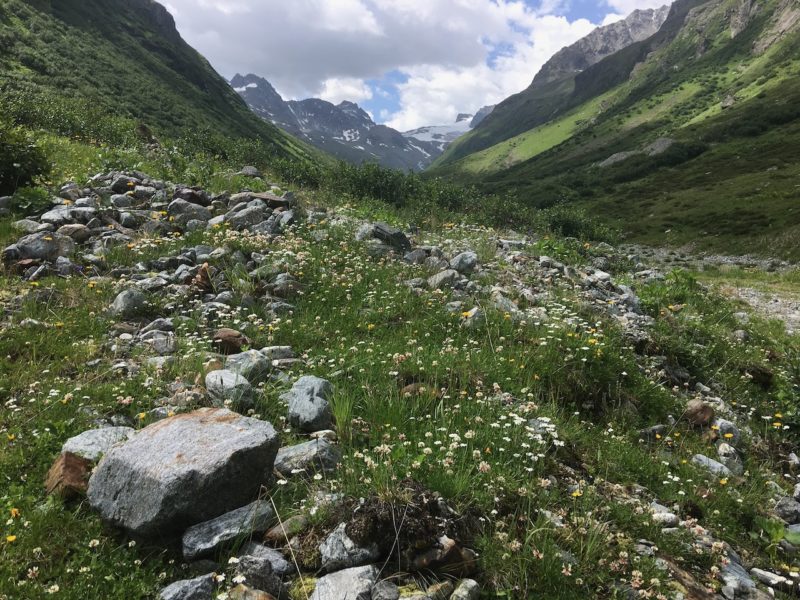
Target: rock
x,y
447,554
242,592
770,579
183,212
416,257
391,236
309,409
666,519
727,431
308,457
128,304
443,279
440,591
349,584
40,246
199,588
796,492
183,470
338,551
736,583
93,444
283,532
69,476
474,318
465,262
467,589
62,215
229,341
162,342
258,573
730,458
277,352
243,219
252,365
788,509
77,232
710,465
698,413
278,564
226,387
204,538
385,590
249,171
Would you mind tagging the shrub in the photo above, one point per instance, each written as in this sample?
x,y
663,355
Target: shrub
x,y
21,160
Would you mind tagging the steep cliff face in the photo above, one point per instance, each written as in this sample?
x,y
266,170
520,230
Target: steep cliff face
x,y
602,42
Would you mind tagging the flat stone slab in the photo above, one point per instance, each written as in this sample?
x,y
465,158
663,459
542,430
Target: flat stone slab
x,y
349,584
183,470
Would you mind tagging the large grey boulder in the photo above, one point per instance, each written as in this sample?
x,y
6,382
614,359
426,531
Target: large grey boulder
x,y
226,386
465,262
199,588
252,365
204,538
40,246
309,408
93,444
127,304
183,470
338,551
308,457
242,219
349,584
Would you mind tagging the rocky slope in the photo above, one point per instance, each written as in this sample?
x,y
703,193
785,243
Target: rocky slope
x,y
678,481
347,131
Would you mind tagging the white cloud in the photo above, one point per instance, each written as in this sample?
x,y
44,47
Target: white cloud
x,y
338,89
458,55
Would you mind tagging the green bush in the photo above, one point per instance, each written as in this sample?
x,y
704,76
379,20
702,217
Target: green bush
x,y
570,221
21,160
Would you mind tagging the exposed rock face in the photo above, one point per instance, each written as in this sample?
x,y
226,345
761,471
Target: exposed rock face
x,y
602,42
183,470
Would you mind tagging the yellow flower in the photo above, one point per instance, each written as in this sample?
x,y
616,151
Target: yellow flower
x,y
15,513
370,327
11,437
59,325
777,424
11,538
723,481
778,416
141,416
465,314
577,494
728,436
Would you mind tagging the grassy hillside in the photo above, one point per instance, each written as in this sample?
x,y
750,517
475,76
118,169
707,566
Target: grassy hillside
x,y
728,103
104,68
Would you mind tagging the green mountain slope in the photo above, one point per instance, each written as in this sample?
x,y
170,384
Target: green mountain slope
x,y
698,143
75,59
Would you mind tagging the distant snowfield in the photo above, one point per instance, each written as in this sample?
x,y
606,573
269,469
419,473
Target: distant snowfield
x,y
440,133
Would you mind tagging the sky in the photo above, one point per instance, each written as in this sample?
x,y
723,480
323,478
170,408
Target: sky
x,y
409,63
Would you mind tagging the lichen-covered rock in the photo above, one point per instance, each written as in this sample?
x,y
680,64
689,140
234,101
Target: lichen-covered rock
x,y
183,470
94,443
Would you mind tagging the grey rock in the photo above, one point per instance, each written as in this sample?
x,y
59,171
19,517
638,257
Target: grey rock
x,y
224,385
308,457
349,584
711,465
467,589
474,317
184,211
391,236
62,215
788,509
259,574
77,231
162,342
127,304
121,201
728,431
183,470
730,458
277,352
796,492
246,218
203,538
278,564
199,588
123,183
416,257
249,171
736,583
25,226
309,408
94,443
252,365
40,246
465,262
338,551
385,590
444,279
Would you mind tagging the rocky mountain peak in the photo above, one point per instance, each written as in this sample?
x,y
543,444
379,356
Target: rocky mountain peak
x,y
602,42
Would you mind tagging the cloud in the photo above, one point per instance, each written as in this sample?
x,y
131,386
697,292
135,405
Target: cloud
x,y
452,55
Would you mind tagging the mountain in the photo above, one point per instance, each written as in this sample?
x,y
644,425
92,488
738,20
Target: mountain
x,y
92,60
347,131
691,136
550,90
444,135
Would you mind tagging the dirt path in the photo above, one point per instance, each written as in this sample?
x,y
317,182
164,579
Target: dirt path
x,y
770,304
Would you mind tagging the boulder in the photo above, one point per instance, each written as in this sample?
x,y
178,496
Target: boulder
x,y
69,476
309,409
93,444
277,563
338,551
128,304
467,589
443,279
698,413
40,246
465,262
258,573
199,588
391,236
308,457
183,470
788,509
711,465
251,364
226,386
183,212
204,538
349,584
